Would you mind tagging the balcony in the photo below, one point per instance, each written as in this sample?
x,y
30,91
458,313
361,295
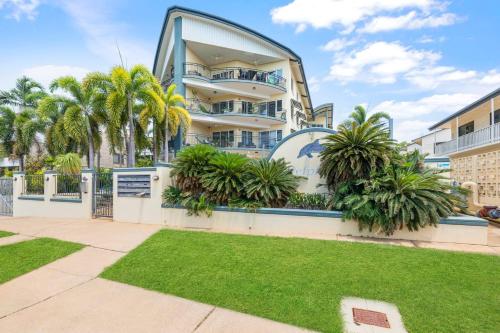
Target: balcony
x,y
265,113
234,142
484,136
251,81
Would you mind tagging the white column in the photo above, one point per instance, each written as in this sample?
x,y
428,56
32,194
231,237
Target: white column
x,y
456,123
492,119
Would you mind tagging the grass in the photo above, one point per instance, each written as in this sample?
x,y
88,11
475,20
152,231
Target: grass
x,y
20,258
5,233
301,282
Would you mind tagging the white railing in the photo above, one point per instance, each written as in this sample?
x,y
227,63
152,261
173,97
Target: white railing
x,y
483,136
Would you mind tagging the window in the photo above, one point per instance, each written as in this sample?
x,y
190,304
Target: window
x,y
246,107
496,117
466,129
246,139
271,109
117,158
222,107
279,105
268,139
223,139
316,125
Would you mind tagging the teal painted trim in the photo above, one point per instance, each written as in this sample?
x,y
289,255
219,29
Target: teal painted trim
x,y
31,197
305,130
134,169
88,171
163,164
465,220
179,60
19,173
436,159
238,26
50,172
66,200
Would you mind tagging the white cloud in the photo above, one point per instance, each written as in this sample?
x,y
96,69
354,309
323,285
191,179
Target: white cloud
x,y
346,13
432,77
314,84
380,62
19,8
408,130
338,44
47,73
491,78
410,21
428,39
103,34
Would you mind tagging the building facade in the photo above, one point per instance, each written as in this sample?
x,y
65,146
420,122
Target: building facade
x,y
427,143
245,92
474,146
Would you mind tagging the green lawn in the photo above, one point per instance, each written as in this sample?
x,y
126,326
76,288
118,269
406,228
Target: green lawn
x,y
301,281
5,233
20,258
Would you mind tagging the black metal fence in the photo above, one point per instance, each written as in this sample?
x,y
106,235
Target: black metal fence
x,y
68,186
33,185
103,194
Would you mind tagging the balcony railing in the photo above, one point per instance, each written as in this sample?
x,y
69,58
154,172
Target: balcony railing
x,y
487,135
243,142
235,107
234,73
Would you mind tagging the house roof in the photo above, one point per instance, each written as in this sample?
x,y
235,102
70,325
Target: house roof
x,y
467,108
205,15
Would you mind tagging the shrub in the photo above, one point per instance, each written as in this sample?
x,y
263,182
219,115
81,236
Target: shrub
x,y
270,182
223,178
316,201
190,165
198,205
172,196
69,163
399,197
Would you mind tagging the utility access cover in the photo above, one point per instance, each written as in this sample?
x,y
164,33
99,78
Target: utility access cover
x,y
368,317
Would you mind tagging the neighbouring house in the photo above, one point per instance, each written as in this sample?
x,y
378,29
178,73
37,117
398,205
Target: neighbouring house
x,y
8,164
426,144
245,92
474,146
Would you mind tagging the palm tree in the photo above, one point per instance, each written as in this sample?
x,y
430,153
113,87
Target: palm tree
x,y
84,111
26,94
175,116
355,151
7,118
126,89
360,116
25,128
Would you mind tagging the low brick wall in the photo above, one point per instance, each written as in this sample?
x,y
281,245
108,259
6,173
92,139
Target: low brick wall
x,y
319,224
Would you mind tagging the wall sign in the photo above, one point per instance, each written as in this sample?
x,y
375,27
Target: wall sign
x,y
301,149
138,186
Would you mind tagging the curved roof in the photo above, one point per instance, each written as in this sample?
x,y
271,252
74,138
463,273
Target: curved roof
x,y
185,10
327,107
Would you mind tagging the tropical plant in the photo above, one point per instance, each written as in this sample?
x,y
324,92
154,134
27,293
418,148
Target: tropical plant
x,y
172,196
270,182
249,204
400,197
176,116
354,152
189,167
7,118
224,176
198,205
126,90
359,116
314,201
84,110
69,163
25,95
25,128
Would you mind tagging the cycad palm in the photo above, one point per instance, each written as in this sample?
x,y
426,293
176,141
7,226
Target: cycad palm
x,y
354,152
360,116
25,95
126,89
84,110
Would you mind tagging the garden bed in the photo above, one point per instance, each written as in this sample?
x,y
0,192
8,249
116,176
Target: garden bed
x,y
5,233
302,282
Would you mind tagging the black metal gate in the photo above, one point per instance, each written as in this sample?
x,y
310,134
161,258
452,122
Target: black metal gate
x,y
6,191
103,194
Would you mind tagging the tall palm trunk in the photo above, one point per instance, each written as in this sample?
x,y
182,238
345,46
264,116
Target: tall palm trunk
x,y
91,143
21,162
131,139
155,145
167,134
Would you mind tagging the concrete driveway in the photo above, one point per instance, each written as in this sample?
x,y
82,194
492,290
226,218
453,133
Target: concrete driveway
x,y
68,296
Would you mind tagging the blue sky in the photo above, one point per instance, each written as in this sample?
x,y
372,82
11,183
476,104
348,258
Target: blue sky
x,y
419,60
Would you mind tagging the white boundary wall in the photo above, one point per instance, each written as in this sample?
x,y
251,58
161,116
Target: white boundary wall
x,y
295,223
50,205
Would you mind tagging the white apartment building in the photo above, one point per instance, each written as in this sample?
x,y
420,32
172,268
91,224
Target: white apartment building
x,y
245,92
426,144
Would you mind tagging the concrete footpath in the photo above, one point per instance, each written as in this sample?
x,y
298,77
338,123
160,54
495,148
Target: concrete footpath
x,y
67,296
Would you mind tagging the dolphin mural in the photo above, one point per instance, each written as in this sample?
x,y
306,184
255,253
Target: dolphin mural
x,y
310,148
